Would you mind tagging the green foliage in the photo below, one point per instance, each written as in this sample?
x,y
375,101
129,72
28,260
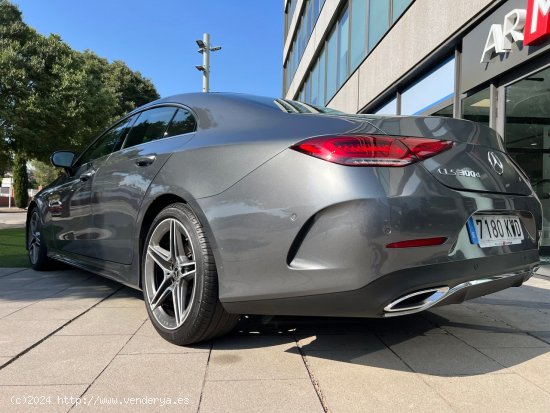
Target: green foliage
x,y
20,182
5,162
53,97
43,173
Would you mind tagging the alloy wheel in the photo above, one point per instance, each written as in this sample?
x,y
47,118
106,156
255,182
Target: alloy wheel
x,y
169,273
33,237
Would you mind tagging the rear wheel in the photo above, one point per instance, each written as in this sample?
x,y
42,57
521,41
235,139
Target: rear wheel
x,y
180,282
35,245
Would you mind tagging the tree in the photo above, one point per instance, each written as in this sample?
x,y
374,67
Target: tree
x,y
5,159
20,182
52,97
43,173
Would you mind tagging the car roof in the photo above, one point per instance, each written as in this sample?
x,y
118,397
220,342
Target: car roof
x,y
213,99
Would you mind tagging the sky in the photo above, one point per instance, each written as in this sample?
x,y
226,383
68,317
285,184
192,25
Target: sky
x,y
157,38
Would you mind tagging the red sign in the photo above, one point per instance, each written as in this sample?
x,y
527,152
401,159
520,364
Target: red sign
x,y
537,26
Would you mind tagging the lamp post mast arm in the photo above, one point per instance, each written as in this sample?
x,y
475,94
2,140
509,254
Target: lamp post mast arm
x,y
206,63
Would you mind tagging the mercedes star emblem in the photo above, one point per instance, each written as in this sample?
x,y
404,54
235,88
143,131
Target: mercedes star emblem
x,y
495,162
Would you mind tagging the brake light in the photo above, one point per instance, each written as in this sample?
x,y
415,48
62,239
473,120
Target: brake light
x,y
372,150
422,242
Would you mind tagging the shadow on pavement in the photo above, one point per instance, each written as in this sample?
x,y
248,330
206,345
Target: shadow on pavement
x,y
486,335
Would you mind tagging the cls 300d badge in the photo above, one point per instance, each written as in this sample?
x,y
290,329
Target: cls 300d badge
x,y
459,172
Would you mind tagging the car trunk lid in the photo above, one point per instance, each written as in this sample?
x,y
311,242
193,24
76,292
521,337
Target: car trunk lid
x,y
477,162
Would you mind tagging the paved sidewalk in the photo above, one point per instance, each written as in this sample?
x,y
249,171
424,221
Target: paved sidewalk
x,y
13,219
69,338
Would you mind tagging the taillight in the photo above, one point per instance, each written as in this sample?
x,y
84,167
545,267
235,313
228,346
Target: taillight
x,y
372,150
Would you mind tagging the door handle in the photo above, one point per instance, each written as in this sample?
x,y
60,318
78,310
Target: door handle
x,y
145,160
86,176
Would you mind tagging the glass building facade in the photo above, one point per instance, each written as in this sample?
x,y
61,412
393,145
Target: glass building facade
x,y
508,91
360,26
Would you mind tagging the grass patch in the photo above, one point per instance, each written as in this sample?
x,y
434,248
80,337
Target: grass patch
x,y
12,248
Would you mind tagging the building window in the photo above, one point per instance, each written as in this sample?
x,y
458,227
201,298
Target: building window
x,y
304,28
307,90
434,88
322,78
446,112
398,7
315,85
343,42
360,27
477,107
358,36
331,64
290,13
389,108
527,134
379,21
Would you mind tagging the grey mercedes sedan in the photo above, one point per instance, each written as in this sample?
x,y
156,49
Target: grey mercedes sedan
x,y
217,205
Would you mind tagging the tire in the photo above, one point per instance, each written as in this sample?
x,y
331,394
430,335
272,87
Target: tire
x,y
180,282
36,247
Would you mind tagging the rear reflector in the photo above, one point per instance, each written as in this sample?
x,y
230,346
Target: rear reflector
x,y
423,242
372,150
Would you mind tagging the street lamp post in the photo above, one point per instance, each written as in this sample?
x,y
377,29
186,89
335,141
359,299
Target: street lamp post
x,y
205,49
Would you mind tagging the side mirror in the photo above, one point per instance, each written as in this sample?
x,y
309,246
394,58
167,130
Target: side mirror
x,y
62,159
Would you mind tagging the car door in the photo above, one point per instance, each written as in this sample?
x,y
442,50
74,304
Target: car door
x,y
69,203
121,183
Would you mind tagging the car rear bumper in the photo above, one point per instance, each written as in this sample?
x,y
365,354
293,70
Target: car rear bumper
x,y
463,280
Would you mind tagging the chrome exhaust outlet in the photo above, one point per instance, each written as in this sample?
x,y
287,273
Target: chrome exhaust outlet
x,y
424,299
417,301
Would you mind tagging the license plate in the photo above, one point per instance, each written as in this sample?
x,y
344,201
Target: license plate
x,y
494,230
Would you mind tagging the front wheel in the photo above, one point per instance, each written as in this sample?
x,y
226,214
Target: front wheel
x,y
180,282
35,244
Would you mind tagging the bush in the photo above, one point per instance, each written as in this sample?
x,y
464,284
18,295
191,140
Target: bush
x,y
20,182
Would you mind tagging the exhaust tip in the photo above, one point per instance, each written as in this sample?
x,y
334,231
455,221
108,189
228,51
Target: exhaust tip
x,y
417,301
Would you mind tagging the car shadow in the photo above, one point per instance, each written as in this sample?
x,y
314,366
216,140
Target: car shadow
x,y
60,282
486,335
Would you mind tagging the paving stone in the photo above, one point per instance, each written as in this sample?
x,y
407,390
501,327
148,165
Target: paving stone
x,y
541,335
19,297
255,357
39,312
63,360
443,355
47,398
294,395
376,381
491,340
148,341
521,318
465,317
144,377
491,393
126,297
5,311
18,335
531,363
367,342
100,321
61,281
8,271
78,296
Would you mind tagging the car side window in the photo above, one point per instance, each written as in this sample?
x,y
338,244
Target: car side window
x,y
183,122
149,126
107,143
